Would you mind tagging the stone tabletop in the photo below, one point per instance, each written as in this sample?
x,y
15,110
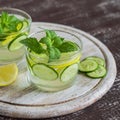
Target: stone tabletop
x,y
100,18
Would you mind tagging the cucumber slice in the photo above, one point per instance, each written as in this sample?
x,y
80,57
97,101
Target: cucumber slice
x,y
87,65
99,60
44,72
15,43
25,24
98,73
27,60
39,58
69,73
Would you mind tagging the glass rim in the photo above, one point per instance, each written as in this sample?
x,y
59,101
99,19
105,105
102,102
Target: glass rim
x,y
63,58
20,11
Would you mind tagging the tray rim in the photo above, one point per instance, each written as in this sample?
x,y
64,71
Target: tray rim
x,y
96,92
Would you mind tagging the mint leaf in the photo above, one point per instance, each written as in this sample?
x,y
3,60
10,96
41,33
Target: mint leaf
x,y
12,19
54,53
9,22
57,41
4,17
47,41
1,30
33,45
68,46
12,23
50,33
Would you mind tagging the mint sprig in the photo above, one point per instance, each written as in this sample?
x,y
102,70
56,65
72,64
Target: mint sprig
x,y
55,45
52,42
8,23
33,45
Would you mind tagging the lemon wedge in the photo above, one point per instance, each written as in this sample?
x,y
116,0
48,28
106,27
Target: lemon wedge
x,y
8,74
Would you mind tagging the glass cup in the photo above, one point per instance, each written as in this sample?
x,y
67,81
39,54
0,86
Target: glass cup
x,y
10,48
58,74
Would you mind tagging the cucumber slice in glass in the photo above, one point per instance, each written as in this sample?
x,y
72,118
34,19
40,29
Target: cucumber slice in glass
x,y
87,65
98,73
69,73
25,24
15,43
44,72
99,60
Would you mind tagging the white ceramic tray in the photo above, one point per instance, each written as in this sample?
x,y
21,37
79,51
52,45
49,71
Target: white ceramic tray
x,y
21,100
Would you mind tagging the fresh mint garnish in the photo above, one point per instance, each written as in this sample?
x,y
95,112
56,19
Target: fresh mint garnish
x,y
8,23
33,45
68,46
54,45
52,42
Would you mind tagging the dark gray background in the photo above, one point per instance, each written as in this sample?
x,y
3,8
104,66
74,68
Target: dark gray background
x,y
100,18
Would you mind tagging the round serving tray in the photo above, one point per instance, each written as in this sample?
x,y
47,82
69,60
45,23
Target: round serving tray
x,y
22,100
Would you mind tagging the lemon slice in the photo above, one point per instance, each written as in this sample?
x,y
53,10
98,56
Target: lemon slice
x,y
62,64
8,74
70,62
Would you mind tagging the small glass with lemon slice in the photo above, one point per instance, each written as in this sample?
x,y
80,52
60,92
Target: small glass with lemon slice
x,y
58,74
14,26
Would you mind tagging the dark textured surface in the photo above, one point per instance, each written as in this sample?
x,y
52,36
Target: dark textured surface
x,y
101,18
